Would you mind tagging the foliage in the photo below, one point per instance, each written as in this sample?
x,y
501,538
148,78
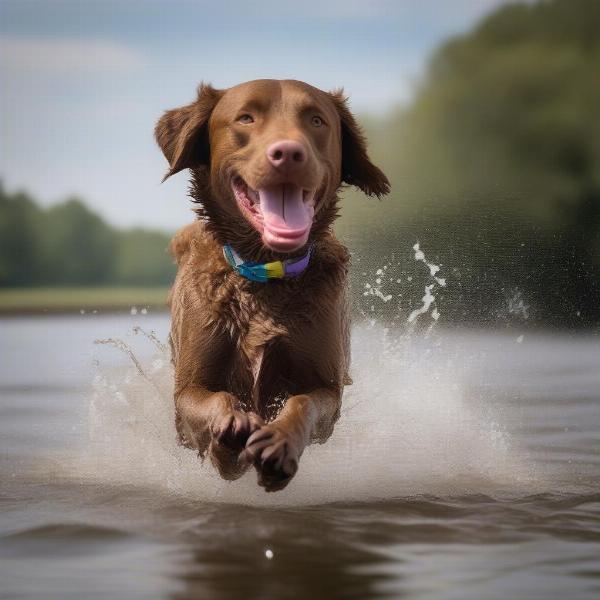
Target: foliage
x,y
20,249
68,244
501,145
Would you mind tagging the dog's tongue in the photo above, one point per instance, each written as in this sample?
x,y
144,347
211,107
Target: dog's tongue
x,y
287,218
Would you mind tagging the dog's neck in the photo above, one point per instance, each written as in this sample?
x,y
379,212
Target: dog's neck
x,y
237,232
265,272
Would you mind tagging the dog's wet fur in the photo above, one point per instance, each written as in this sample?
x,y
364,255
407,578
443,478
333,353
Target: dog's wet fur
x,y
260,367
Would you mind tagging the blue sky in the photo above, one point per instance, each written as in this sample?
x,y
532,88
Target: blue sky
x,y
83,82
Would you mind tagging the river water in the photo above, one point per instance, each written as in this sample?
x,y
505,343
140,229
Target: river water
x,y
466,464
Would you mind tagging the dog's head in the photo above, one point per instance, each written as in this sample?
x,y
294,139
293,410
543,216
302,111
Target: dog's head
x,y
276,153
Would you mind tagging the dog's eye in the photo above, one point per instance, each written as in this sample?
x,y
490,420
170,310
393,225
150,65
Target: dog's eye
x,y
317,121
245,119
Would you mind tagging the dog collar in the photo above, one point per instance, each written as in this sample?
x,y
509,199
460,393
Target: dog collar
x,y
263,272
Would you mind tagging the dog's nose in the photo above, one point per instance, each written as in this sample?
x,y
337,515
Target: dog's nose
x,y
286,154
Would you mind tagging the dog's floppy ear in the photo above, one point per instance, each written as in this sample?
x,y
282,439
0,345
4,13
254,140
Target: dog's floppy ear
x,y
357,169
182,133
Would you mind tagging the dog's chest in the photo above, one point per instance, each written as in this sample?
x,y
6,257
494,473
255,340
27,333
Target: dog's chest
x,y
262,336
261,328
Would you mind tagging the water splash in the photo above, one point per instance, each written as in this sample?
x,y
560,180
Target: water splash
x,y
433,269
429,297
375,289
516,305
151,335
408,425
394,281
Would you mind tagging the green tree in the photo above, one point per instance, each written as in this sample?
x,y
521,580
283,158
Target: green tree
x,y
19,239
78,246
502,143
68,244
143,259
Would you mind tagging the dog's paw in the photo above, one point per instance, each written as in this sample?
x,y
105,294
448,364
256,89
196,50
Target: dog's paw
x,y
233,429
274,454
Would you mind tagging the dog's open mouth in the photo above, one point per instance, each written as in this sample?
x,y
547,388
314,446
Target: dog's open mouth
x,y
283,213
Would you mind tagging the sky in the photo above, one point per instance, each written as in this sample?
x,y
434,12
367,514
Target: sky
x,y
82,83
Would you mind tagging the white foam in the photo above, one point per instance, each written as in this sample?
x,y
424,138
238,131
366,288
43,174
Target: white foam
x,y
405,429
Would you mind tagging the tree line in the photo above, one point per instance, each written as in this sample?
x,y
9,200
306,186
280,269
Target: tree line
x,y
68,244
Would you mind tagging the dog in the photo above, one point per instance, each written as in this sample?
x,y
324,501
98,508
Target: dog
x,y
260,332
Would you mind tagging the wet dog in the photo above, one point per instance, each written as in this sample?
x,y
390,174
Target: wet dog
x,y
260,328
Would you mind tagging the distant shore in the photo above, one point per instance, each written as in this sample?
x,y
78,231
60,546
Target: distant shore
x,y
53,300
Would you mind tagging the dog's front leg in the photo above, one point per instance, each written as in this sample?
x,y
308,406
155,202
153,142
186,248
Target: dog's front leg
x,y
275,448
214,422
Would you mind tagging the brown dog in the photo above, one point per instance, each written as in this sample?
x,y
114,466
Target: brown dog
x,y
260,365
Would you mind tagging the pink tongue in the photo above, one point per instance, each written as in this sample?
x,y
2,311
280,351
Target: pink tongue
x,y
284,211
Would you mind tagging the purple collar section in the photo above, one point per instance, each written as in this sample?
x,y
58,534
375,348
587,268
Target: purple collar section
x,y
294,267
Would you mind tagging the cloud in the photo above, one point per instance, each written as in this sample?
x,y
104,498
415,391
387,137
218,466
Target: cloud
x,y
59,55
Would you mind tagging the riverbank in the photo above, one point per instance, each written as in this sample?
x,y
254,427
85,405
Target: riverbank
x,y
81,299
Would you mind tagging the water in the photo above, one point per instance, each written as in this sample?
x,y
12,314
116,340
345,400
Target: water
x,y
466,464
